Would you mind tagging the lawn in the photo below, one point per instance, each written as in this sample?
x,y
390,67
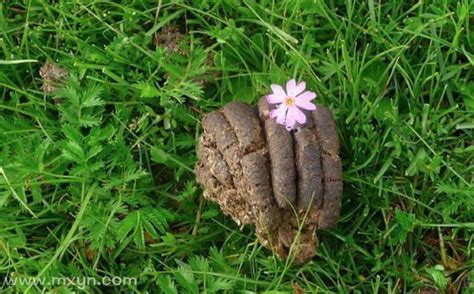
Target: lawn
x,y
100,111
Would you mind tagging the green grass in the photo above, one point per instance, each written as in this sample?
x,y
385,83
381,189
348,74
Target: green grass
x,y
97,179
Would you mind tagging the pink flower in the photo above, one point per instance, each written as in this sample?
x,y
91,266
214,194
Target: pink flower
x,y
289,103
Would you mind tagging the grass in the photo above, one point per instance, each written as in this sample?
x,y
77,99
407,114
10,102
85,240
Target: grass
x,y
96,179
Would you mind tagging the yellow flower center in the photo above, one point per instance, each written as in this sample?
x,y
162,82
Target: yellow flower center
x,y
289,101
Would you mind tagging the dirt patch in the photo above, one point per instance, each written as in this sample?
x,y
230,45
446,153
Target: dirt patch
x,y
288,184
169,38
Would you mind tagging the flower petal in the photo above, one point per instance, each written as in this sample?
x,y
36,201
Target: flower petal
x,y
275,98
290,87
306,96
305,105
280,114
278,90
298,89
291,117
299,115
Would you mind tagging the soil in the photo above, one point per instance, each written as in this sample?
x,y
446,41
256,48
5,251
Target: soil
x,y
169,38
288,184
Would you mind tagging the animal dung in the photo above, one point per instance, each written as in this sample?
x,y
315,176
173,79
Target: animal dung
x,y
287,184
